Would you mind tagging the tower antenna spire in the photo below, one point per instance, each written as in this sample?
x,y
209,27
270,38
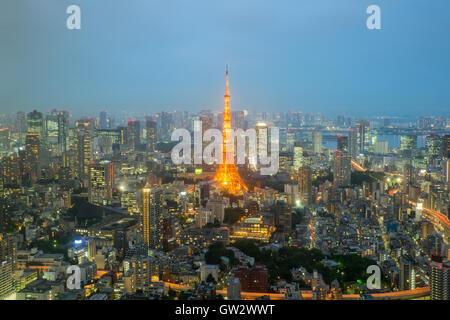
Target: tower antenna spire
x,y
227,90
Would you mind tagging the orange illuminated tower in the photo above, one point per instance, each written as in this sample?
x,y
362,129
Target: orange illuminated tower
x,y
227,175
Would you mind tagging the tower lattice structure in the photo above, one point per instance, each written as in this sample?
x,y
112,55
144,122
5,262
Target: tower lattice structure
x,y
227,175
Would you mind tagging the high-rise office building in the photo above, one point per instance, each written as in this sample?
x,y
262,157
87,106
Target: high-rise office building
x,y
83,148
32,151
408,173
52,129
152,216
340,122
11,169
363,135
317,141
35,123
21,126
446,172
353,143
446,146
342,169
305,184
342,143
434,145
164,126
179,118
133,134
151,134
103,120
63,131
101,181
238,120
5,138
408,144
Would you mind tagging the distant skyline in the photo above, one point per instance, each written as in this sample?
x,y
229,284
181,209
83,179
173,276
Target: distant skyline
x,y
149,56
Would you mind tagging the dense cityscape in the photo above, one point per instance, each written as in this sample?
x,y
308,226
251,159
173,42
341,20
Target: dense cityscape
x,y
101,195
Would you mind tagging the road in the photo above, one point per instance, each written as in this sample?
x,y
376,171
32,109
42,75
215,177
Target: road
x,y
435,215
307,295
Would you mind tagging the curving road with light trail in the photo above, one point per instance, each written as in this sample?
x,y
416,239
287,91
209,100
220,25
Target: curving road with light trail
x,y
307,295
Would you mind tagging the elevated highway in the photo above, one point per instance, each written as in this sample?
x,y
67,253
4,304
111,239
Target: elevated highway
x,y
307,295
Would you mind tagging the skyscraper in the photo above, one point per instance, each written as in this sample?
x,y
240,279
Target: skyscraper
x,y
103,120
83,148
52,129
342,169
164,126
11,169
152,216
342,143
363,135
238,120
21,126
353,143
446,172
63,130
5,138
35,123
408,173
101,181
446,146
133,134
408,144
305,184
151,134
434,145
317,141
32,151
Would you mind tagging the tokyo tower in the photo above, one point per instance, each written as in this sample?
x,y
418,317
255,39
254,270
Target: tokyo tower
x,y
227,175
